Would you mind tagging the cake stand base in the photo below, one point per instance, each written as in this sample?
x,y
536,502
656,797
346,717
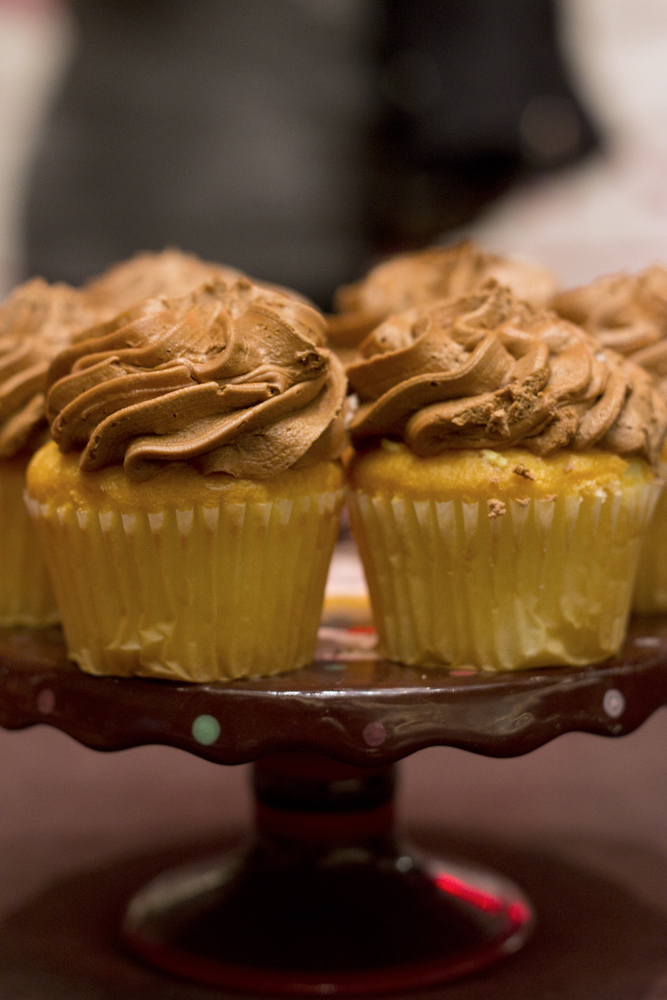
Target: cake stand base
x,y
325,901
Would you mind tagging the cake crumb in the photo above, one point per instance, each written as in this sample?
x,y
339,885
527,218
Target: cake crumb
x,y
549,496
391,446
496,508
494,481
498,423
523,501
494,458
523,470
569,465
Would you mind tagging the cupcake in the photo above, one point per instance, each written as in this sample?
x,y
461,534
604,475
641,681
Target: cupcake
x,y
148,275
417,278
501,483
168,272
36,322
628,312
189,501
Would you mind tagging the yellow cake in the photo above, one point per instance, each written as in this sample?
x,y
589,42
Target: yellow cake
x,y
501,484
189,505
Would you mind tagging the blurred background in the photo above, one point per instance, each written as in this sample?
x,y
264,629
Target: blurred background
x,y
299,140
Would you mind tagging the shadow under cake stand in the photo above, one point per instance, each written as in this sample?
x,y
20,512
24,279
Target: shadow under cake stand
x,y
325,900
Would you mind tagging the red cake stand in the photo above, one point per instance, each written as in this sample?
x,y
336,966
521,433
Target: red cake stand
x,y
325,900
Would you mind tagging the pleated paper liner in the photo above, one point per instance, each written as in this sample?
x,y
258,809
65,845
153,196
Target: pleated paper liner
x,y
650,595
26,594
201,594
548,582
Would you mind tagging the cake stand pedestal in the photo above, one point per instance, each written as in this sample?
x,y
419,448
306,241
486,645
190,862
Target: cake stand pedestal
x,y
324,900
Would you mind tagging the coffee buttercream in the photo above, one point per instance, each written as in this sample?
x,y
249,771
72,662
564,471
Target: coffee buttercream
x,y
232,378
489,371
416,278
627,312
149,275
36,321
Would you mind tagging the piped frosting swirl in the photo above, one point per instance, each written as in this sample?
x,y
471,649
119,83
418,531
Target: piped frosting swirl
x,y
148,275
417,278
488,371
232,378
36,321
627,312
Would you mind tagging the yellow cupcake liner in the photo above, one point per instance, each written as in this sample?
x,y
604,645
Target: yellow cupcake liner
x,y
549,582
26,595
204,594
650,595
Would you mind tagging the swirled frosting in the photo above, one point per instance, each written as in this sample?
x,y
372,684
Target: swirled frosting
x,y
149,275
439,272
488,371
233,378
626,312
36,321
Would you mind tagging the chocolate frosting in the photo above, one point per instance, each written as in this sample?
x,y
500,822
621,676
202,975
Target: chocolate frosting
x,y
625,312
36,322
149,275
233,378
439,272
488,371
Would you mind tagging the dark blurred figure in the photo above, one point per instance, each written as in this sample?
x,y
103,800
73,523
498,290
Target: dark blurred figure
x,y
476,98
293,139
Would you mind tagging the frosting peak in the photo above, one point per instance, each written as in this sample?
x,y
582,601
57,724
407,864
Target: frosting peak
x,y
234,378
489,371
148,275
417,278
625,312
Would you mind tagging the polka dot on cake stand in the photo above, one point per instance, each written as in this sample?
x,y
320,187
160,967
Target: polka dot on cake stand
x,y
46,701
613,703
206,729
374,734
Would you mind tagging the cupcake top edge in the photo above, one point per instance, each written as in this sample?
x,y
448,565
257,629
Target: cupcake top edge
x,y
412,279
489,371
234,377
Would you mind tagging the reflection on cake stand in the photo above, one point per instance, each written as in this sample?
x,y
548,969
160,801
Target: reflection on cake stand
x,y
325,900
